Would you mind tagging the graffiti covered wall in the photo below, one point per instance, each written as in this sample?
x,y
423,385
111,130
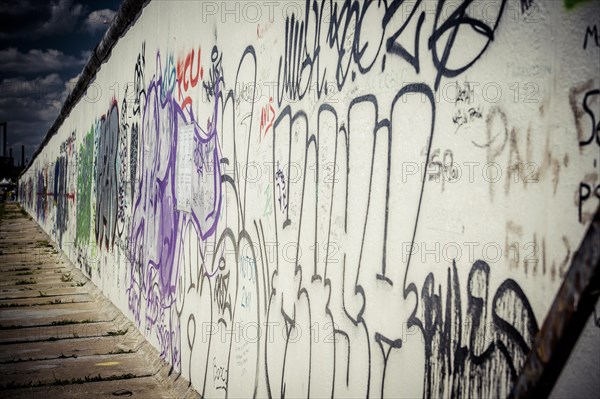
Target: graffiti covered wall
x,y
339,198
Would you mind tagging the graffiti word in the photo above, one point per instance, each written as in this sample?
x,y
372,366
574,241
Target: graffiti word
x,y
267,117
591,32
186,75
463,117
219,375
585,192
282,197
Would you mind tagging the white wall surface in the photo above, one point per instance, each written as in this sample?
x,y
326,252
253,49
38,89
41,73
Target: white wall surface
x,y
333,199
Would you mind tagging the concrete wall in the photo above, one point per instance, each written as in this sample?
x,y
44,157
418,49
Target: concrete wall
x,y
314,199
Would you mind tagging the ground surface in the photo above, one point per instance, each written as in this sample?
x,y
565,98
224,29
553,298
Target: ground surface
x,y
59,336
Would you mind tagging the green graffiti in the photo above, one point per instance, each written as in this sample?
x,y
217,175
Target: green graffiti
x,y
85,176
570,4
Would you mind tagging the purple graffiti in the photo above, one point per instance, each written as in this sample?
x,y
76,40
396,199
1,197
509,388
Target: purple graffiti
x,y
156,223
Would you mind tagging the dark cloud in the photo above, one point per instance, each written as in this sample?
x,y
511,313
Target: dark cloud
x,y
30,106
43,47
27,21
36,60
98,20
21,18
42,92
13,8
65,16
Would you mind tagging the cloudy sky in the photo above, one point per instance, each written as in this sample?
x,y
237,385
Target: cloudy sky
x,y
44,45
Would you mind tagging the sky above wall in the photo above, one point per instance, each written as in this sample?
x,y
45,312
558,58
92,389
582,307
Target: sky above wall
x,y
43,49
